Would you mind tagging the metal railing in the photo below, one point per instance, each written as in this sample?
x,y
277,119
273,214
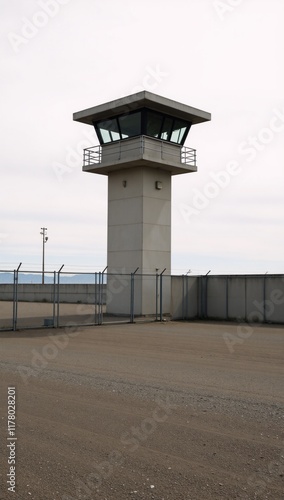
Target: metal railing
x,y
96,155
92,155
188,156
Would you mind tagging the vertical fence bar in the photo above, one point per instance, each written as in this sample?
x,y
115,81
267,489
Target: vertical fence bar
x,y
132,277
15,297
58,295
54,298
14,301
57,299
132,298
206,299
100,299
96,298
161,297
157,295
101,284
161,294
17,285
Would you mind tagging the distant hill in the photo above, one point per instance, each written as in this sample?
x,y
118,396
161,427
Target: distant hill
x,y
8,278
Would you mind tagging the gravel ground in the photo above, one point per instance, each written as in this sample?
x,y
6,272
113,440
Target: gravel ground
x,y
163,411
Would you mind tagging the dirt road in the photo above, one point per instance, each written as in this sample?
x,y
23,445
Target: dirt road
x,y
163,411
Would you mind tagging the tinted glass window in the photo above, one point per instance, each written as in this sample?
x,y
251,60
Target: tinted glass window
x,y
154,124
130,125
109,130
142,122
166,129
178,131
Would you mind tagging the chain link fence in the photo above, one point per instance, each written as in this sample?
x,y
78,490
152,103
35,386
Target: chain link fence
x,y
61,299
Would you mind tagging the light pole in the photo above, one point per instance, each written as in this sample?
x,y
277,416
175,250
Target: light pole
x,y
44,240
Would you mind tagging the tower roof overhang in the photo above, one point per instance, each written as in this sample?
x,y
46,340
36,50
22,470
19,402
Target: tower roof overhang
x,y
140,100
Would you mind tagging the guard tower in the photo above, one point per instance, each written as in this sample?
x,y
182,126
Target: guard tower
x,y
142,140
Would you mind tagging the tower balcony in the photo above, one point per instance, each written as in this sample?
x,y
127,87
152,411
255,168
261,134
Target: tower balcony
x,y
139,151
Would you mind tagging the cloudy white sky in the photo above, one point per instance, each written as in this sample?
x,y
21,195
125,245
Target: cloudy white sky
x,y
225,57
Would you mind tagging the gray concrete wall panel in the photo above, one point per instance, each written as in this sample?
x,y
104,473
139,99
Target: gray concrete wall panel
x,y
237,298
216,297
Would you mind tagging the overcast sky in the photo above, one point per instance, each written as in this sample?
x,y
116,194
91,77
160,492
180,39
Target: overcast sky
x,y
225,57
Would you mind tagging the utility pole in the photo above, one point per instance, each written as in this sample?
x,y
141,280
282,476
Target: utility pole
x,y
44,240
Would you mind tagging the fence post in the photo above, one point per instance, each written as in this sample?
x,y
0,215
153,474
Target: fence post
x,y
54,297
132,295
100,300
96,297
58,294
14,301
157,295
15,297
161,294
103,288
101,281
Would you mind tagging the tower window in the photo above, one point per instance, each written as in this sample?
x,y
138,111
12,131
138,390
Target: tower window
x,y
142,122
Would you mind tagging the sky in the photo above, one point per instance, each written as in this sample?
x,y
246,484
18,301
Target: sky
x,y
224,57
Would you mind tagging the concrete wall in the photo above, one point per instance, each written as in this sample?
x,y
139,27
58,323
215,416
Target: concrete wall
x,y
139,231
86,294
238,298
216,297
257,298
142,147
185,297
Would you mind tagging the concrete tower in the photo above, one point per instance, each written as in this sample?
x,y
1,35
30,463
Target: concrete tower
x,y
141,146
